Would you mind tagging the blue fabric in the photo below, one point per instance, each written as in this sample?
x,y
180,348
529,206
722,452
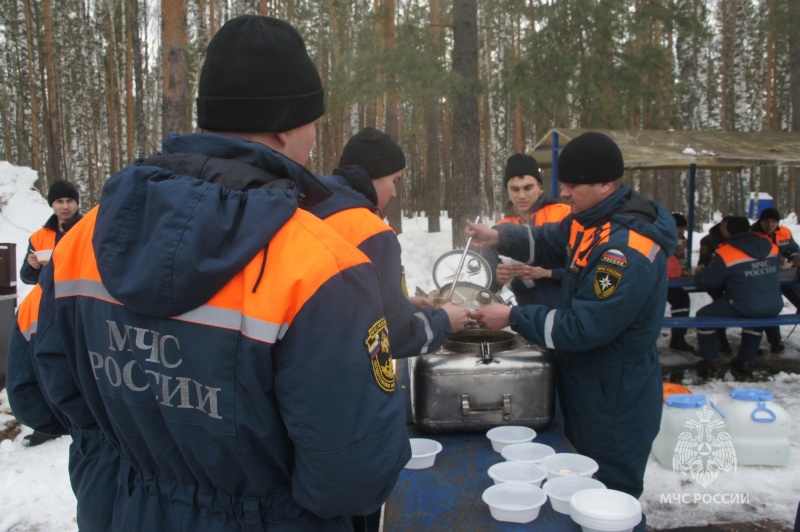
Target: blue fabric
x,y
412,331
708,339
609,381
216,429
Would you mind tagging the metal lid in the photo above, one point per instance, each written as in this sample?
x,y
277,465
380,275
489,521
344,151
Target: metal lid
x,y
471,296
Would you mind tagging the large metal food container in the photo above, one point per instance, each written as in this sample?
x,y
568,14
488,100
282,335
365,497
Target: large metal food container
x,y
482,379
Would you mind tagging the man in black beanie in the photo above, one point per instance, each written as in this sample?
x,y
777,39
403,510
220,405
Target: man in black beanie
x,y
362,185
614,246
528,204
768,226
237,347
64,198
745,267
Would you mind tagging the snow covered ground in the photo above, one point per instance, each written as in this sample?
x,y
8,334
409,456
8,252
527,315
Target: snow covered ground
x,y
34,486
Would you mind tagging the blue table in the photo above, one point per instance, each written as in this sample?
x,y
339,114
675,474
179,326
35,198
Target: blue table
x,y
447,496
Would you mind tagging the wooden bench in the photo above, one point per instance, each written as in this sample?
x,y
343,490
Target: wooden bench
x,y
709,322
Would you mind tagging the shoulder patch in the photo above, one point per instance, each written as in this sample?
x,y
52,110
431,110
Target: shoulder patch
x,y
615,257
380,356
606,281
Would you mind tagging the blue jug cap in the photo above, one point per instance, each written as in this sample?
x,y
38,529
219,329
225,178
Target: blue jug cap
x,y
686,400
752,394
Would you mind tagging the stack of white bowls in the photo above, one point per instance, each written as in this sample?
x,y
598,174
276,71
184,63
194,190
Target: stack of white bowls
x,y
603,510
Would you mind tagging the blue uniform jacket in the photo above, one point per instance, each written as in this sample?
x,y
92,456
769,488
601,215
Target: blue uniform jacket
x,y
746,267
412,331
605,329
93,461
231,344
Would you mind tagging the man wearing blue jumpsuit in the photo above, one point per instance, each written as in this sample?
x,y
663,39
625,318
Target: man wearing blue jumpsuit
x,y
229,342
93,461
615,246
745,268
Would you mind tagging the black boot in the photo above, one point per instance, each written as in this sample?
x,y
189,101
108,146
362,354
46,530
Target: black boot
x,y
680,344
709,369
37,438
742,371
777,347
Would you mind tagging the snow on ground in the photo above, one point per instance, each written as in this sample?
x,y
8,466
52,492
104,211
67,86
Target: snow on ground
x,y
34,486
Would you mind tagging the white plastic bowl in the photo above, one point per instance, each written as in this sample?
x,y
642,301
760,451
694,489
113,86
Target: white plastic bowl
x,y
599,510
561,489
423,453
43,255
528,452
508,434
568,464
517,472
514,502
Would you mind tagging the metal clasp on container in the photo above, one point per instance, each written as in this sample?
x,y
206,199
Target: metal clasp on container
x,y
486,355
466,410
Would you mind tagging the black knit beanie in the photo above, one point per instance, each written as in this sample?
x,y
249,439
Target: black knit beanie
x,y
62,189
770,213
520,164
375,151
680,220
590,158
737,224
258,76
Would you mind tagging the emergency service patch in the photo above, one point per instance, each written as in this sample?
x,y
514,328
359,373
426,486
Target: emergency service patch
x,y
615,257
380,356
606,281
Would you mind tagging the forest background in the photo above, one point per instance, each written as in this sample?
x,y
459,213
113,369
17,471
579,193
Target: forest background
x,y
88,86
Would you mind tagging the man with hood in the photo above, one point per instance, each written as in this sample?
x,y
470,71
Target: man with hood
x,y
362,186
528,204
614,245
231,344
745,268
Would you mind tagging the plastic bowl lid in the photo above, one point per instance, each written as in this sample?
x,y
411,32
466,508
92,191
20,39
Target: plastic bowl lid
x,y
422,447
517,472
526,452
511,434
607,506
683,400
752,394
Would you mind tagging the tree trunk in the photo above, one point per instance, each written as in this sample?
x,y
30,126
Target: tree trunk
x,y
35,155
432,174
394,210
175,70
55,170
466,129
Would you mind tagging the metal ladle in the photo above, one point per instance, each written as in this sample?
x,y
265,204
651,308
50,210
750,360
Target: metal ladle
x,y
460,264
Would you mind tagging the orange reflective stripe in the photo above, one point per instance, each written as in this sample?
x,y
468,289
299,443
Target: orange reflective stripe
x,y
642,244
28,312
44,238
510,220
731,255
315,254
74,257
552,213
357,224
588,242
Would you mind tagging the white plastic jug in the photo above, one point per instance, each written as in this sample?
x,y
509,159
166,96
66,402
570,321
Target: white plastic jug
x,y
759,427
684,423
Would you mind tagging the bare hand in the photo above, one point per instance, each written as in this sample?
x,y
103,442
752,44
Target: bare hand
x,y
503,274
33,261
459,316
482,236
699,268
494,315
421,301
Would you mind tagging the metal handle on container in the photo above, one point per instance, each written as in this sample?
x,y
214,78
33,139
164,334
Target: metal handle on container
x,y
505,409
486,355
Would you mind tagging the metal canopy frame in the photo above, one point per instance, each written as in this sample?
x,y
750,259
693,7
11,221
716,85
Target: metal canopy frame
x,y
673,149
